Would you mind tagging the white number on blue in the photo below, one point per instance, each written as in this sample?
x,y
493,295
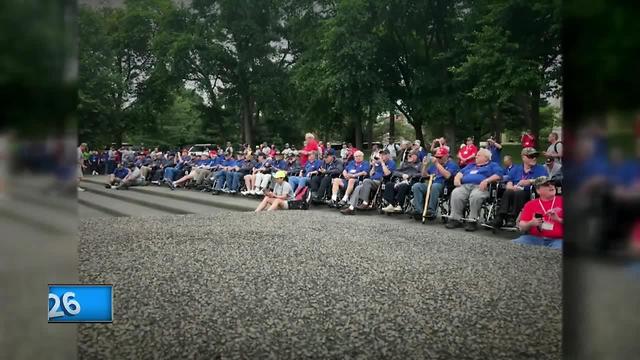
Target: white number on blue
x,y
70,306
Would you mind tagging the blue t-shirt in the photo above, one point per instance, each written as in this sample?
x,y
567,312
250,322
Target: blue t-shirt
x,y
353,168
495,154
474,174
517,173
312,166
626,173
280,164
450,166
379,173
229,163
121,173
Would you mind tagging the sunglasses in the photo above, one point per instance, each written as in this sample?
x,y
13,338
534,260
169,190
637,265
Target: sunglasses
x,y
532,156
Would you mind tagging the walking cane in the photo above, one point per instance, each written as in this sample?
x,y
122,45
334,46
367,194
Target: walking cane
x,y
426,200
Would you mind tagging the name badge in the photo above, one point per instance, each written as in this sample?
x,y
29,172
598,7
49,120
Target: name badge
x,y
473,172
546,226
352,171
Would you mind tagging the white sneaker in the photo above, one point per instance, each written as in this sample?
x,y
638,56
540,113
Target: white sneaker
x,y
81,189
388,208
252,192
397,208
244,193
259,192
94,172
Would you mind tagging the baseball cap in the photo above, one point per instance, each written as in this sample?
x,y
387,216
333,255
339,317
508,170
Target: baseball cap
x,y
529,151
286,145
385,151
441,152
541,180
280,174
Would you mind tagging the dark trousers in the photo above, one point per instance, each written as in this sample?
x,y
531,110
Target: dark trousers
x,y
512,203
320,185
396,195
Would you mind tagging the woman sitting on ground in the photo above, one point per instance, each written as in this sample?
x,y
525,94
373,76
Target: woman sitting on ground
x,y
279,197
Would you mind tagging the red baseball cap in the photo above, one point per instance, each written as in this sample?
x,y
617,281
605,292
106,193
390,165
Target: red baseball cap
x,y
442,152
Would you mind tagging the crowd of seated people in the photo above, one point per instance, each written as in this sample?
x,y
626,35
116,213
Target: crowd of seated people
x,y
394,180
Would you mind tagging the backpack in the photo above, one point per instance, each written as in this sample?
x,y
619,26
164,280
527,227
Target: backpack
x,y
555,146
302,199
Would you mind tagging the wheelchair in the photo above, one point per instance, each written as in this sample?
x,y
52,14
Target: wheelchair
x,y
342,190
443,208
407,206
488,209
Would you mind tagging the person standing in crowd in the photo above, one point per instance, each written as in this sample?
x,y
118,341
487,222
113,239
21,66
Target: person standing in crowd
x,y
443,169
467,153
528,140
439,142
381,166
321,148
553,168
542,219
229,148
344,151
392,148
111,159
81,164
405,150
518,187
555,148
280,196
472,186
419,150
310,145
495,147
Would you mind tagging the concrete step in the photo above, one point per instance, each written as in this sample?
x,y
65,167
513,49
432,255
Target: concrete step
x,y
229,202
110,206
150,200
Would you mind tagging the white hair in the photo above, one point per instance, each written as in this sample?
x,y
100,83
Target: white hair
x,y
485,152
309,136
358,153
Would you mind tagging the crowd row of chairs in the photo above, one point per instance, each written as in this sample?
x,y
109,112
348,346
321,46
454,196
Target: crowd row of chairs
x,y
488,211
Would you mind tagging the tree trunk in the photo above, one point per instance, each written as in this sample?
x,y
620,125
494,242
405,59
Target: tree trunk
x,y
370,122
246,122
535,114
450,130
417,126
357,125
392,126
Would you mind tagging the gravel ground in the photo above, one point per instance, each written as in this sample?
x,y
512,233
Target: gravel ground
x,y
331,286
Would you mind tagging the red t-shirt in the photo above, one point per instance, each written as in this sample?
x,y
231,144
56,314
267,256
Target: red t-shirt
x,y
528,141
312,145
540,206
468,154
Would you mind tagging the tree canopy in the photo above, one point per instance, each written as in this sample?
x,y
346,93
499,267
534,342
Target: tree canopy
x,y
270,70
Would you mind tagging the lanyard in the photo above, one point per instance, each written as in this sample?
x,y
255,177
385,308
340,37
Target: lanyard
x,y
542,206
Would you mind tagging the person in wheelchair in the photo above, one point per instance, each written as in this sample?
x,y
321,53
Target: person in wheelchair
x,y
472,185
518,188
541,220
258,180
293,164
331,168
309,170
381,167
350,176
397,189
443,169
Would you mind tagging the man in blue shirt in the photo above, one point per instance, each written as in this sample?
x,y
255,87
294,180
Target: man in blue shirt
x,y
118,175
354,169
227,167
518,188
331,168
310,169
472,186
381,166
496,148
443,169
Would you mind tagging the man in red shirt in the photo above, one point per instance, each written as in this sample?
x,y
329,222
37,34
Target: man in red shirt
x,y
528,140
310,145
542,219
467,153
